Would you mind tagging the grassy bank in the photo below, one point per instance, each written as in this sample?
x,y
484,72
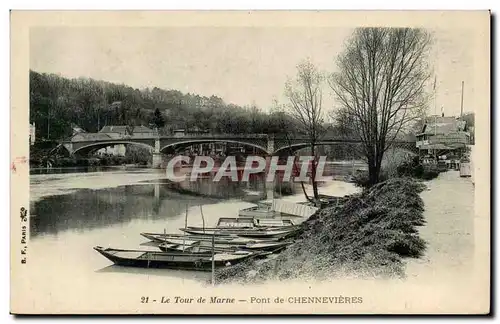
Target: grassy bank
x,y
367,236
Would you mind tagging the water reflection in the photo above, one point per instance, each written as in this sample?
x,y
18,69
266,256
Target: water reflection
x,y
147,200
87,209
179,274
82,169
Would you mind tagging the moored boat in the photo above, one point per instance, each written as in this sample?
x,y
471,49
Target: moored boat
x,y
173,260
260,211
238,222
277,233
180,245
251,222
222,239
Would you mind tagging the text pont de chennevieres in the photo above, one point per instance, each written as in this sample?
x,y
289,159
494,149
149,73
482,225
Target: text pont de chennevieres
x,y
325,300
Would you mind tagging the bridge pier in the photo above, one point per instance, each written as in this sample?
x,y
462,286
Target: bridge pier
x,y
69,147
157,156
157,191
269,185
157,160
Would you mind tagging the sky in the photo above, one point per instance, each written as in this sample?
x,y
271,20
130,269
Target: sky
x,y
242,65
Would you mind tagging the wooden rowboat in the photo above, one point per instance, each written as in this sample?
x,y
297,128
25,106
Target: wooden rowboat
x,y
277,233
173,260
182,245
259,211
219,239
252,222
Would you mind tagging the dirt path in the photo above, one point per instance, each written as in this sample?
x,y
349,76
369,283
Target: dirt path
x,y
449,232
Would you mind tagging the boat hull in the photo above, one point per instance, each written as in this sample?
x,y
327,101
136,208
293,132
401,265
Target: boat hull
x,y
202,250
219,239
258,212
275,233
201,247
162,260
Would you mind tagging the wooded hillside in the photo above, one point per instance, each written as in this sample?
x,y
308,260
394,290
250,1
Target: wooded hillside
x,y
58,103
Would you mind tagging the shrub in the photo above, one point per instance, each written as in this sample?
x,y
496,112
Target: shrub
x,y
361,178
430,172
414,168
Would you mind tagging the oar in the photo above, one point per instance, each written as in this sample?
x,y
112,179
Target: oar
x,y
203,219
185,226
165,234
213,259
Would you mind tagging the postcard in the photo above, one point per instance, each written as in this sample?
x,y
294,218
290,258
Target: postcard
x,y
250,162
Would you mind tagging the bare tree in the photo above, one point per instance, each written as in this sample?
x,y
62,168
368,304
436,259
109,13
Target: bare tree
x,y
283,126
305,101
381,87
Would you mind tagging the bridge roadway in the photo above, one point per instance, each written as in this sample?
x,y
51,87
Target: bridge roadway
x,y
84,143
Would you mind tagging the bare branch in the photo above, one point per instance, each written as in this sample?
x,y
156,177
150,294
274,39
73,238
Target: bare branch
x,y
380,85
305,104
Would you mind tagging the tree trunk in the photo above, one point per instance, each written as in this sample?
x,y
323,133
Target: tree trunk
x,y
305,192
295,166
313,174
373,173
48,126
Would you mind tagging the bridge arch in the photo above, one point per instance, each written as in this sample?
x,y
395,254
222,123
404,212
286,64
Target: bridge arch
x,y
205,141
99,145
298,146
408,146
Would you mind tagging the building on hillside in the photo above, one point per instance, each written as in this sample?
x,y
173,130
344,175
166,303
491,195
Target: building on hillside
x,y
120,132
443,139
127,130
115,150
190,132
77,129
32,133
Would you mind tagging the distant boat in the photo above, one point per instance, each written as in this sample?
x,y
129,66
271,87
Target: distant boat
x,y
258,211
262,210
172,260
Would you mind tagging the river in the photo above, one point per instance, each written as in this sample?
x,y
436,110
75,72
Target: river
x,y
73,212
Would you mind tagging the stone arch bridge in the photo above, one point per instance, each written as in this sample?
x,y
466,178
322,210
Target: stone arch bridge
x,y
85,143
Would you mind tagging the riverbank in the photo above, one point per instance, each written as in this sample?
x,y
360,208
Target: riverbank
x,y
449,230
368,236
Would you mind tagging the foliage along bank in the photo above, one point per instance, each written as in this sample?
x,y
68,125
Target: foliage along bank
x,y
368,235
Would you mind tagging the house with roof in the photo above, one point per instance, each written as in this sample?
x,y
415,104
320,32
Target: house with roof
x,y
190,131
442,136
120,131
127,130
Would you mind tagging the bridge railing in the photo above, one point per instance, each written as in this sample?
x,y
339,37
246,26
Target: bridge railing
x,y
115,136
215,136
104,136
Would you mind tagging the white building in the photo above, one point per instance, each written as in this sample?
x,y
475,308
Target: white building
x,y
32,134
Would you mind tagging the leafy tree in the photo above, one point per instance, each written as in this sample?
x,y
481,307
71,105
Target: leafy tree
x,y
158,119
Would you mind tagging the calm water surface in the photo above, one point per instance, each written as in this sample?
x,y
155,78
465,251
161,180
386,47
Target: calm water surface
x,y
73,212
